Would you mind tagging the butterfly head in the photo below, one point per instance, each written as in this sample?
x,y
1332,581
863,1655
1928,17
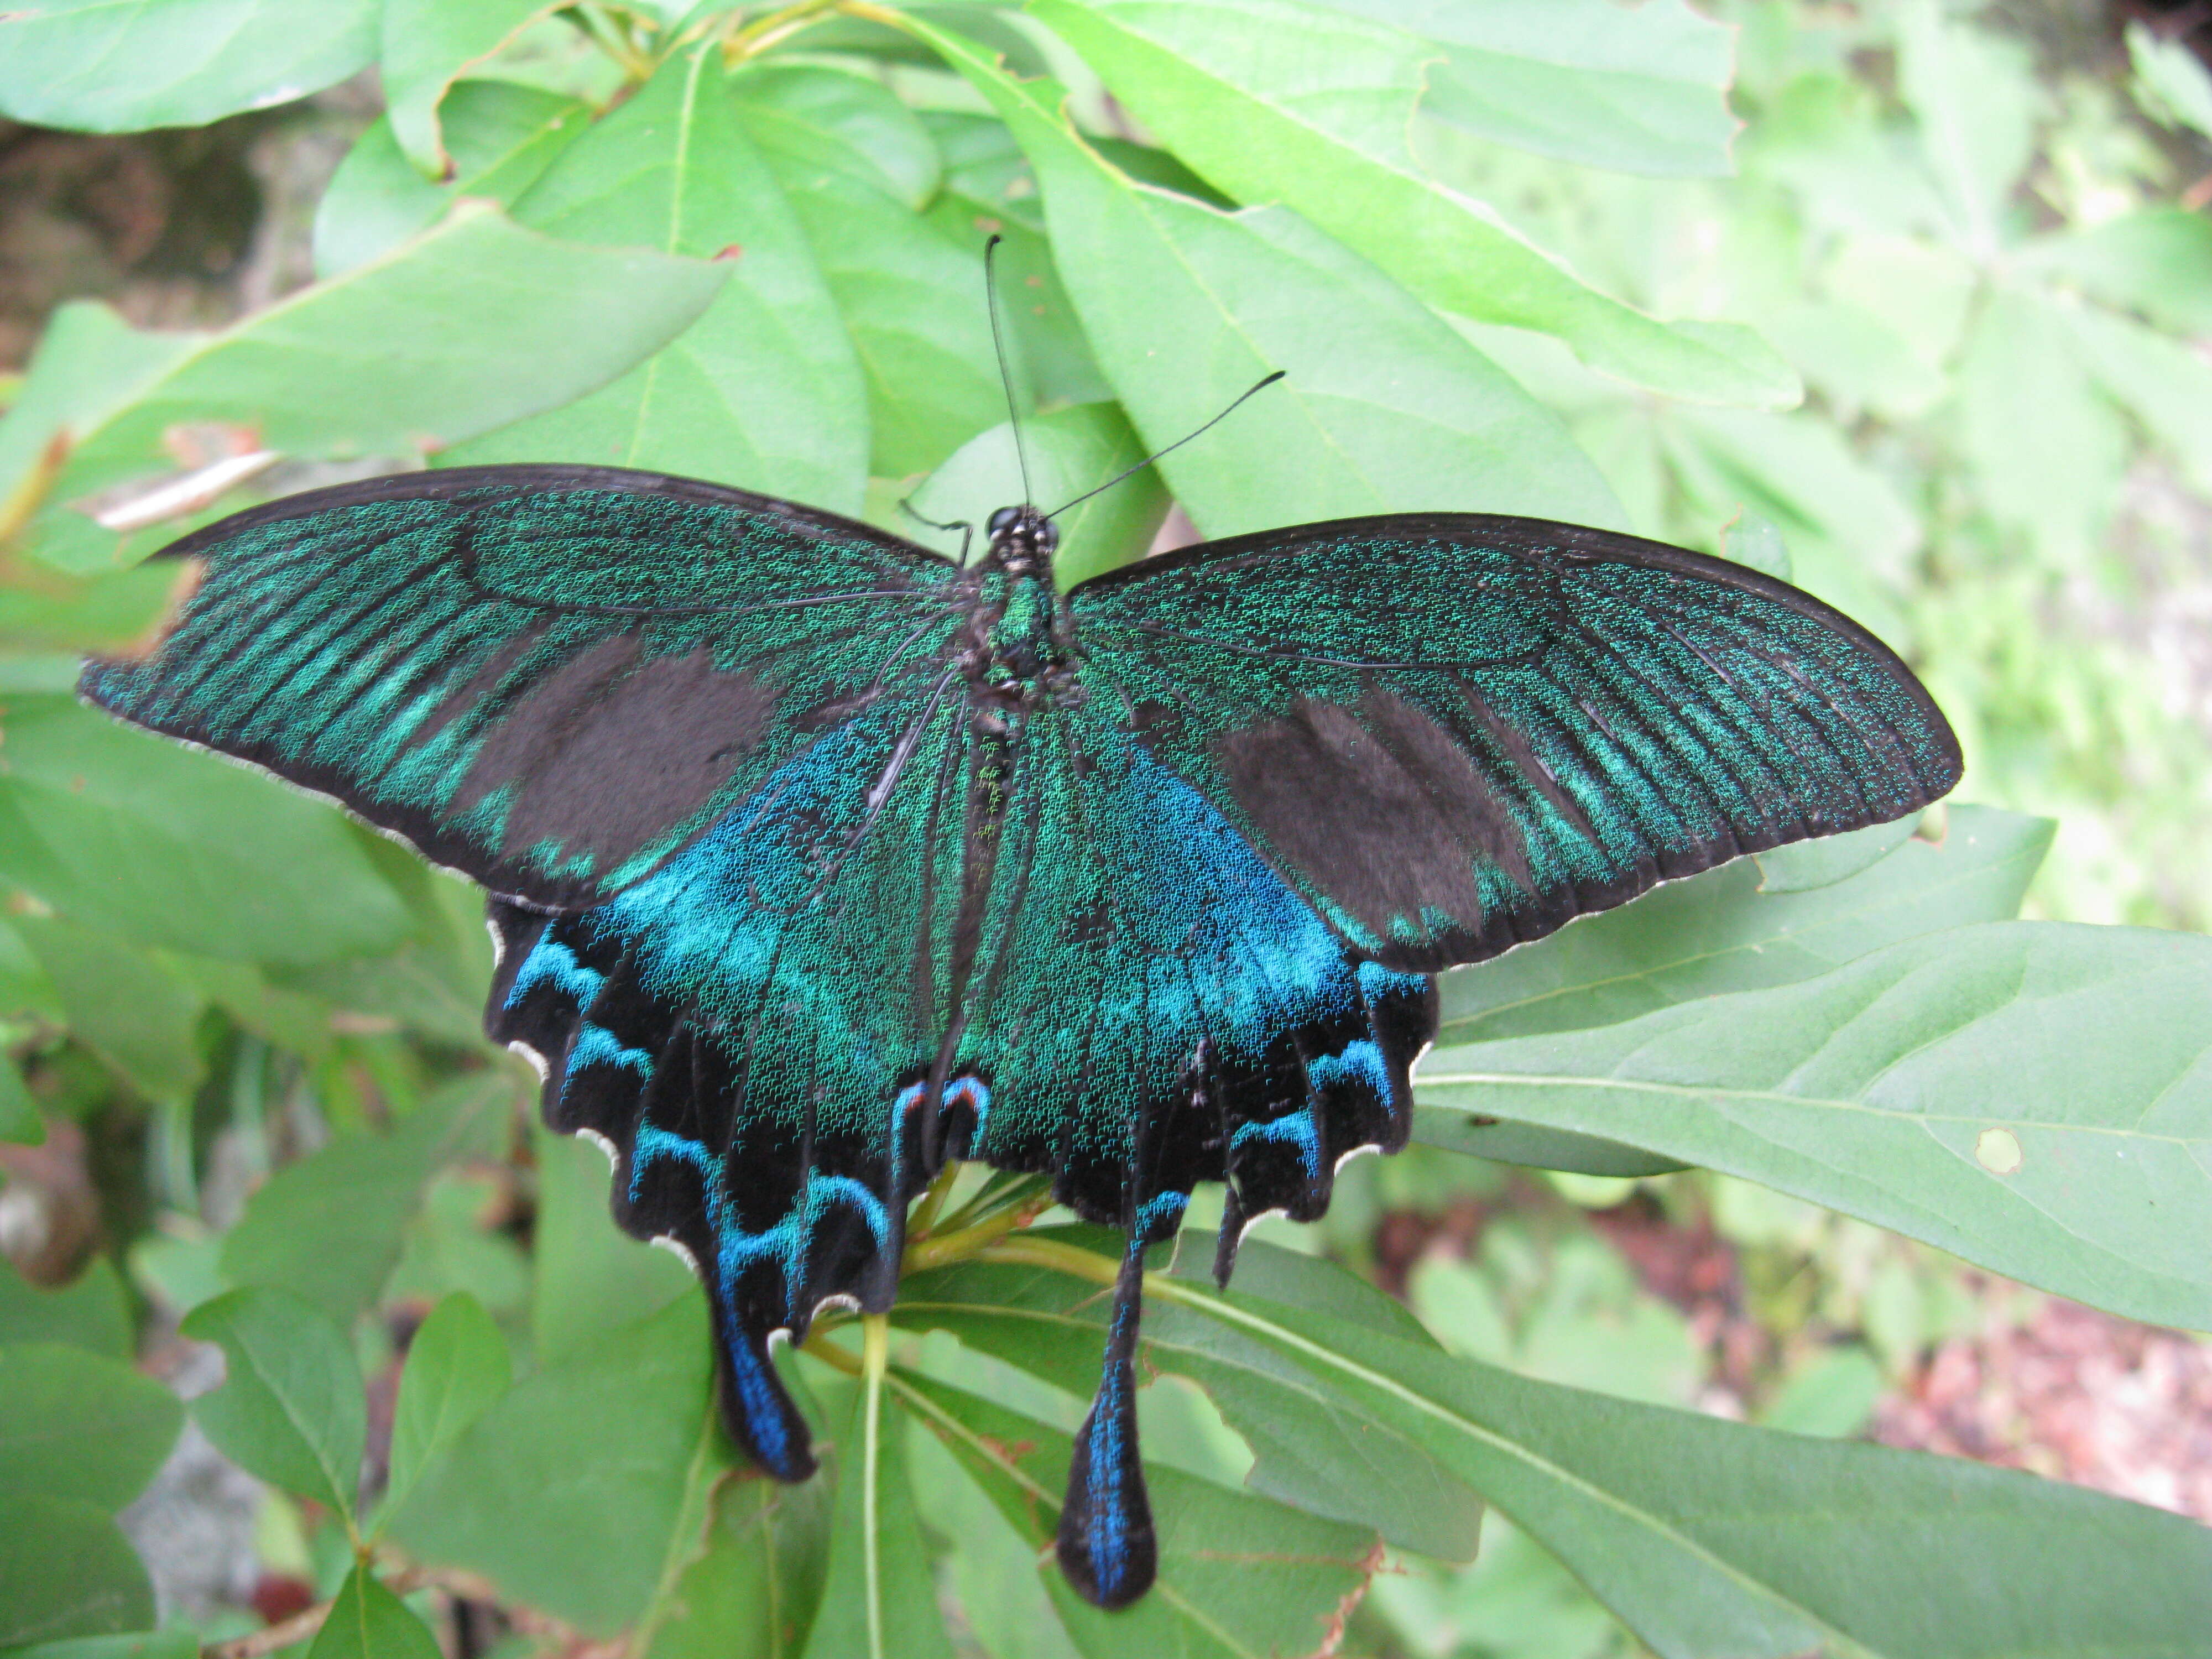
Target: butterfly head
x,y
1022,541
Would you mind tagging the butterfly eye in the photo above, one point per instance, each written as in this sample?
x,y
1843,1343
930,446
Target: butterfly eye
x,y
1005,520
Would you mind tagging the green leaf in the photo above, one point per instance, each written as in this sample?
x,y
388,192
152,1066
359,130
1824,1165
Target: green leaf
x,y
327,1228
1319,120
90,365
1311,1449
2034,1097
367,1621
990,1565
77,1425
2158,262
1071,452
1727,930
1239,1574
568,1493
592,1277
2172,83
1385,408
1706,1536
763,390
1850,533
879,1594
753,1592
122,1003
1535,1147
457,1368
856,163
1975,94
2047,451
1802,866
139,837
467,327
67,1571
428,45
501,135
2164,383
101,66
290,1408
1641,89
177,1643
90,1312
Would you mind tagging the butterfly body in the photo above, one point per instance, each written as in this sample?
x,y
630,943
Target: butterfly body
x,y
817,859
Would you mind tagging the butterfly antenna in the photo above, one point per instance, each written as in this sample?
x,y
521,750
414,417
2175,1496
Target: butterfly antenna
x,y
1258,386
999,345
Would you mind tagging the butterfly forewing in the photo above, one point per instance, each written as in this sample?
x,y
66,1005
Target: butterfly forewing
x,y
1456,733
548,678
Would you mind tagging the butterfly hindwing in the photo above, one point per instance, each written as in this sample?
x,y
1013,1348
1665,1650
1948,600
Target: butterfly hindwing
x,y
1453,734
548,678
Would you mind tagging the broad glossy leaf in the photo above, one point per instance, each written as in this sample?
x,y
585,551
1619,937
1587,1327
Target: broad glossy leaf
x,y
77,1425
879,1594
473,326
1706,1536
1643,88
1385,409
567,1493
426,46
90,1312
500,135
290,1408
169,848
1071,452
592,1277
123,1003
1726,931
762,391
990,1565
458,1368
753,1592
327,1228
1239,1574
67,1571
126,65
2035,1097
912,300
1281,100
367,1621
1311,1449
2171,81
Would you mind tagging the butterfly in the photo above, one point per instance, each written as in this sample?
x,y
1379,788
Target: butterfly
x,y
816,859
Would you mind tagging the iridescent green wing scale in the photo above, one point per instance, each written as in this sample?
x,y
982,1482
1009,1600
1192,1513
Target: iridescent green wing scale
x,y
548,678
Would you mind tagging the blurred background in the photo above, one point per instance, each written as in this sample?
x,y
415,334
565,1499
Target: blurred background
x,y
2004,465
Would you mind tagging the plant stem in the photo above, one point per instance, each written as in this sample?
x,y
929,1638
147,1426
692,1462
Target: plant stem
x,y
974,1240
925,1213
875,1351
758,36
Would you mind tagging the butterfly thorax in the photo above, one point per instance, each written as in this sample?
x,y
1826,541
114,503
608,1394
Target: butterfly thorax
x,y
1018,649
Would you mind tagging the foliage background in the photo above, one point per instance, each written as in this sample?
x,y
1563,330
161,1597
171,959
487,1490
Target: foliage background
x,y
1973,238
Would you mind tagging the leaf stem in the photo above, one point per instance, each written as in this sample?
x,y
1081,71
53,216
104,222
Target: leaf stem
x,y
958,1246
612,40
875,1351
758,36
925,1213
